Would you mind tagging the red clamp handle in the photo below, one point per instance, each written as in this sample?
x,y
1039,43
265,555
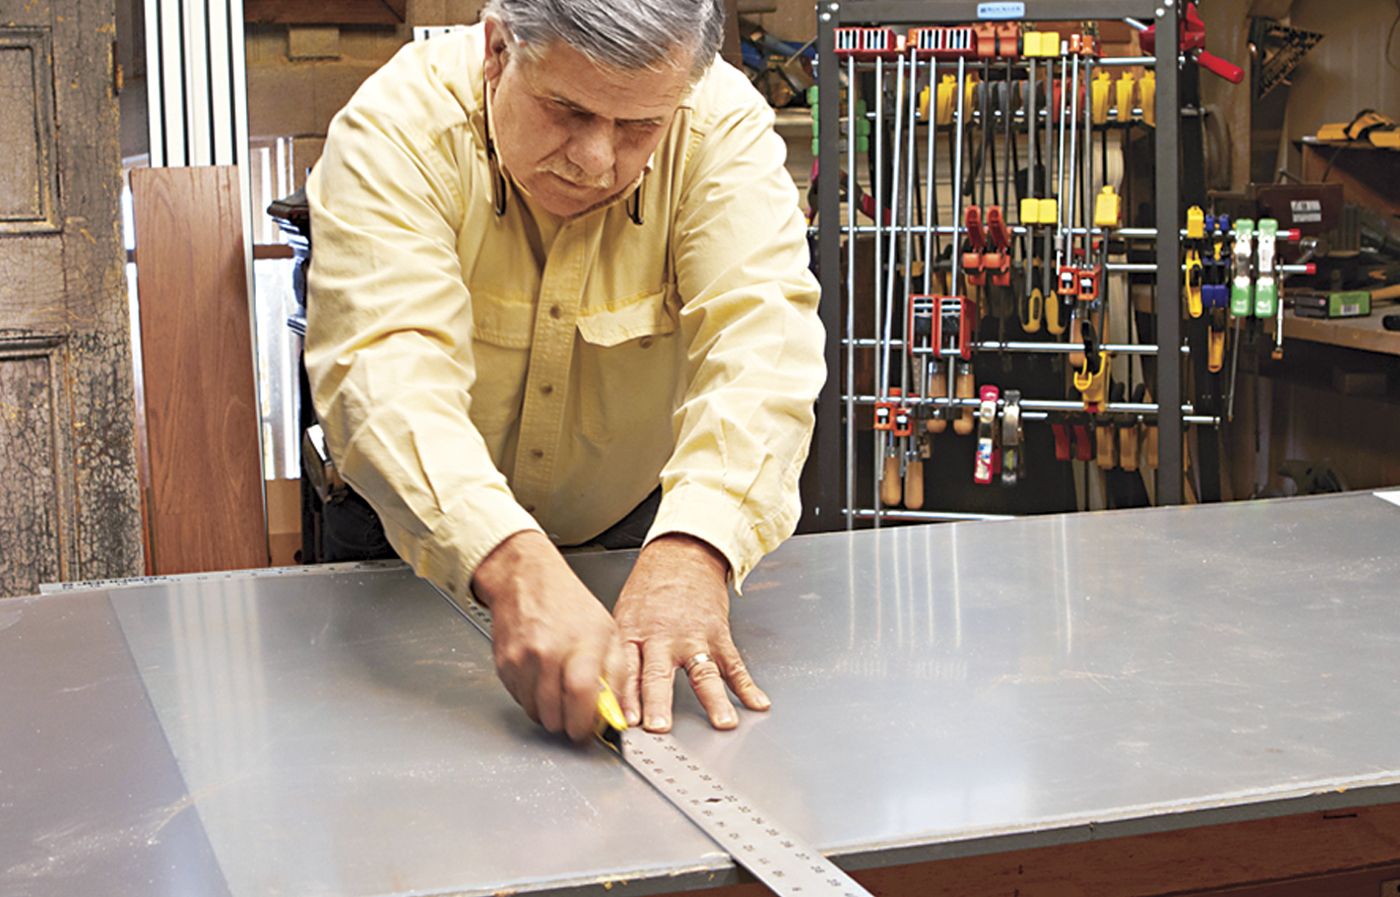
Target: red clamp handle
x,y
972,221
996,229
1061,441
1221,67
1083,451
1193,41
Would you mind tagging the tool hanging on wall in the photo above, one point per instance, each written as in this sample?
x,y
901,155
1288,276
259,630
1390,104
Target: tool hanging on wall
x,y
1032,305
1215,290
1195,242
985,465
1012,435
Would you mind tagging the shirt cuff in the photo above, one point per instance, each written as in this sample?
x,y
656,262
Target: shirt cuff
x,y
728,525
450,557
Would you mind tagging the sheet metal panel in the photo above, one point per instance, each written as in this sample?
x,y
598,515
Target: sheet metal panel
x,y
938,691
91,801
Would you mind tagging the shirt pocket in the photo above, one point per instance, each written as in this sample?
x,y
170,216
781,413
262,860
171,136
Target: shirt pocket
x,y
647,316
627,366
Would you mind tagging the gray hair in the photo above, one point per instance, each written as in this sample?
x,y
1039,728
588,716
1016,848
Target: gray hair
x,y
625,34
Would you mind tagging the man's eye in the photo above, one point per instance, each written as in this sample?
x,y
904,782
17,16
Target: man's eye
x,y
563,110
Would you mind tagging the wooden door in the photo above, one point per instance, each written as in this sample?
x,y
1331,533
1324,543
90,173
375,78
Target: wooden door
x,y
69,502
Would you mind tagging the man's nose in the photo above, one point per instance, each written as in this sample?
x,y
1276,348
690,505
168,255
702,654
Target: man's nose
x,y
592,147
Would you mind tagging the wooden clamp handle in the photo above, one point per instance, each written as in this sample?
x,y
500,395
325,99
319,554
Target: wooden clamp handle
x,y
914,485
1103,437
1128,447
965,388
890,487
938,386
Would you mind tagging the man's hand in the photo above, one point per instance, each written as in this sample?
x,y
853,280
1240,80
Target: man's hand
x,y
553,639
676,605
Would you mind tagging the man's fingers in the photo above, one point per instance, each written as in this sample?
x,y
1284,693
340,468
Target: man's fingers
x,y
519,680
658,675
580,679
709,688
731,664
631,694
549,696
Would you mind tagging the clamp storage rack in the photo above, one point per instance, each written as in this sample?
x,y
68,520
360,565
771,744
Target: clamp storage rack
x,y
924,313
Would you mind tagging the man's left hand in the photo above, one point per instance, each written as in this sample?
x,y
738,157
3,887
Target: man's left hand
x,y
674,606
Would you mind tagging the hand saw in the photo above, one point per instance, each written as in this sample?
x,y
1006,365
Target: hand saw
x,y
752,839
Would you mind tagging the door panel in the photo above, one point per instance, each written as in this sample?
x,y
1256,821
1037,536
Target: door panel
x,y
69,503
30,531
27,163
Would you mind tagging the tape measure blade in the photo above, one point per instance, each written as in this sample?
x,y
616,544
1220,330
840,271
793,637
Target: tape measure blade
x,y
776,857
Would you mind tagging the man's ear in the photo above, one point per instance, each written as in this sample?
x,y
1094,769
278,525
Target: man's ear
x,y
497,41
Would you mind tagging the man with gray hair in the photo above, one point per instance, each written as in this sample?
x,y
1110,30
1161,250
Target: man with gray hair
x,y
560,267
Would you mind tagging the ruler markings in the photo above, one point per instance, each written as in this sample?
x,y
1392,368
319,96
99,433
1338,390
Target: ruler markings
x,y
752,839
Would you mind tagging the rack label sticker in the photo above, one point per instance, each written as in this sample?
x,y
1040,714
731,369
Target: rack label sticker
x,y
1392,496
1001,10
1307,211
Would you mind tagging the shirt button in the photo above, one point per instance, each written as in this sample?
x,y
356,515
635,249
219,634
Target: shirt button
x,y
537,453
556,311
547,389
646,342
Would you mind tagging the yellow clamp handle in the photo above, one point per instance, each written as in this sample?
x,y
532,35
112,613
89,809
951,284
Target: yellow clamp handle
x,y
1193,283
1215,354
1094,386
1127,90
1035,311
1099,98
1039,211
1054,307
1147,91
1040,44
946,99
1108,208
1195,223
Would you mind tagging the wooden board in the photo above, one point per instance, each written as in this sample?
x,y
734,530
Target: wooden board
x,y
69,505
1367,334
1346,853
206,491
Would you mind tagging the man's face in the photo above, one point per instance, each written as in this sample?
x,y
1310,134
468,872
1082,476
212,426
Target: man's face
x,y
572,132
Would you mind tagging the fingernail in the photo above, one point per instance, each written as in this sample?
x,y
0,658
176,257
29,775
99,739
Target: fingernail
x,y
763,702
725,719
633,717
658,722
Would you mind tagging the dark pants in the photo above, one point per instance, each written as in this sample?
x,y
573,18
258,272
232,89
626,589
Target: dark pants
x,y
351,530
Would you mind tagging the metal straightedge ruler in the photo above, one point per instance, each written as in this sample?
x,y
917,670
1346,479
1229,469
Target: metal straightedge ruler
x,y
775,856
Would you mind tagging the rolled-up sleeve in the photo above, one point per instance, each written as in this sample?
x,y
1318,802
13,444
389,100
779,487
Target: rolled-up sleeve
x,y
389,351
753,344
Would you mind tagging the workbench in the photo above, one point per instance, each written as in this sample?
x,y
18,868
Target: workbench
x,y
1134,702
1366,334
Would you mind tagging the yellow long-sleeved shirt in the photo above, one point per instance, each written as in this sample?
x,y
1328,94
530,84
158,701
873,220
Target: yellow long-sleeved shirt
x,y
481,375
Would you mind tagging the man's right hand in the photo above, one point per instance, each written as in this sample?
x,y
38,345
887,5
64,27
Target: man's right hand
x,y
553,638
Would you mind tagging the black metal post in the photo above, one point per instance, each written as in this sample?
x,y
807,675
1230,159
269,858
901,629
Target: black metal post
x,y
1169,468
826,472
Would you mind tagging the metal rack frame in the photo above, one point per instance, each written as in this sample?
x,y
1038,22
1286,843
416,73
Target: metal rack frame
x,y
825,502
